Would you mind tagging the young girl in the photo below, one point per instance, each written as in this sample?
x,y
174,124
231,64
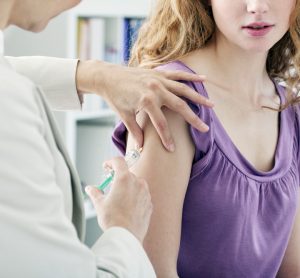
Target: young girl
x,y
225,202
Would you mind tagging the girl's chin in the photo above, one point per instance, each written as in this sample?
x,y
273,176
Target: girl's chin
x,y
258,48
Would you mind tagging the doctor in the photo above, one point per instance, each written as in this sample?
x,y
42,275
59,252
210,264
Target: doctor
x,y
41,215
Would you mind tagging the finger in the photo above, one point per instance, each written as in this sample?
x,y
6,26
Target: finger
x,y
160,124
183,90
144,196
148,210
144,185
96,195
183,75
135,130
106,165
118,164
180,106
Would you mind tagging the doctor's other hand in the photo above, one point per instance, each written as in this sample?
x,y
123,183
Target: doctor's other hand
x,y
127,205
130,90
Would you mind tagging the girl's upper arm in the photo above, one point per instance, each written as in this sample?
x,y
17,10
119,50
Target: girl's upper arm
x,y
167,175
290,266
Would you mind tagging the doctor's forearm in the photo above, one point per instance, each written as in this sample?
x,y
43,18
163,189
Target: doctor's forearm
x,y
90,77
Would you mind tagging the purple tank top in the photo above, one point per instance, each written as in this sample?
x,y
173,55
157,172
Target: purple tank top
x,y
236,220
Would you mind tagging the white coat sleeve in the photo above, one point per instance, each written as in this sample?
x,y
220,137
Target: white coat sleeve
x,y
37,239
55,76
120,254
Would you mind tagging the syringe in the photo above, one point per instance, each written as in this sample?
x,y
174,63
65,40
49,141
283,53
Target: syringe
x,y
131,158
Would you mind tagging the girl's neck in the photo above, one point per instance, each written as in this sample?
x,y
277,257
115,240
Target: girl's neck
x,y
233,69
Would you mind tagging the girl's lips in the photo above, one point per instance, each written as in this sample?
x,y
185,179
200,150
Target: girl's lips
x,y
258,30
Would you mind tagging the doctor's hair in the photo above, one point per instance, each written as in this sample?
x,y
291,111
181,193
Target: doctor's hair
x,y
177,27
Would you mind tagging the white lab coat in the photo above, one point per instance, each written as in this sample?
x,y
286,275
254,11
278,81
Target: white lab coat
x,y
41,212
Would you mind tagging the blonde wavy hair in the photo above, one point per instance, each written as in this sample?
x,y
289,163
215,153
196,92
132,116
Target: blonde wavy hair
x,y
177,27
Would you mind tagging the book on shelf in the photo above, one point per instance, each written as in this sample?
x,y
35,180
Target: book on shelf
x,y
91,38
92,35
91,45
97,38
131,29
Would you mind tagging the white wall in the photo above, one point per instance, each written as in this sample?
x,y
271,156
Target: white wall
x,y
50,42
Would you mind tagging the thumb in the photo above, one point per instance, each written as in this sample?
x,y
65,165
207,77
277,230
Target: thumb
x,y
96,195
135,130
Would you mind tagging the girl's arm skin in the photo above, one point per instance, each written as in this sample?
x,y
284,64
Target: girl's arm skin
x,y
290,266
128,90
167,175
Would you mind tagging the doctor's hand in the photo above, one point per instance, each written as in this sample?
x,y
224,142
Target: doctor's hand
x,y
130,90
127,205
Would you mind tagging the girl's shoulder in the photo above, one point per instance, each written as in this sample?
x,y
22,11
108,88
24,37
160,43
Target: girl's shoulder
x,y
290,121
177,65
202,141
174,65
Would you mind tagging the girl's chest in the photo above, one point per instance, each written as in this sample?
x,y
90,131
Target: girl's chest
x,y
253,132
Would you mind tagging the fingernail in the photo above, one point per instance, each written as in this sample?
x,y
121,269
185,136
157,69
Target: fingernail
x,y
137,146
89,190
209,102
204,127
202,76
171,147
